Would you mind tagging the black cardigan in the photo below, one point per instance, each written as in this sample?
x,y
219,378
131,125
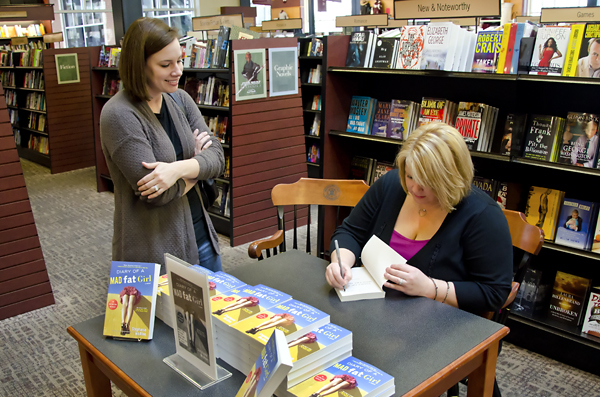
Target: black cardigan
x,y
472,248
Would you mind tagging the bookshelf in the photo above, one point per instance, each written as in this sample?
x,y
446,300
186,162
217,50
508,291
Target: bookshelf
x,y
264,141
511,94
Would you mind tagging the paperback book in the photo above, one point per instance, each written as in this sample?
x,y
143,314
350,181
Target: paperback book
x,y
270,368
223,283
351,377
568,298
575,224
367,281
543,208
131,301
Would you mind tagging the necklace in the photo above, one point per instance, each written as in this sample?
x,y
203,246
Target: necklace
x,y
422,212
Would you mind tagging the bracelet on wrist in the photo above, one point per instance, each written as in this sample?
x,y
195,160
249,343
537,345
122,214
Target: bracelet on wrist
x,y
447,290
436,287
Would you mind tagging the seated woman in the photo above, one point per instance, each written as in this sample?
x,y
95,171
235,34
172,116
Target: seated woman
x,y
454,237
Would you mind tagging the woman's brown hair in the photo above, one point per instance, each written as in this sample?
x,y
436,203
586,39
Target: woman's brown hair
x,y
145,37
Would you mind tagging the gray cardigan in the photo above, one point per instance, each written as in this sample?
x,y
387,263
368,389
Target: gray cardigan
x,y
144,230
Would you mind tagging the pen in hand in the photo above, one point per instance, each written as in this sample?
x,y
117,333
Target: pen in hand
x,y
339,258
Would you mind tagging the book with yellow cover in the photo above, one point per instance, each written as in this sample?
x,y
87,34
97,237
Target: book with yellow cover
x,y
503,48
543,208
573,48
131,301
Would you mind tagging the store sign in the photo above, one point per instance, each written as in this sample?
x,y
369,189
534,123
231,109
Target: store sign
x,y
67,68
421,9
361,20
525,18
282,24
214,22
460,21
13,14
571,14
18,41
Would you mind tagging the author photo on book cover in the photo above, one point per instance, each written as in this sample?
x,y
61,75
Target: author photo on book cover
x,y
589,65
158,148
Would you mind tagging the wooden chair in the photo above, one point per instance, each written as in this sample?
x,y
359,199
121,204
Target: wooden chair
x,y
307,191
527,242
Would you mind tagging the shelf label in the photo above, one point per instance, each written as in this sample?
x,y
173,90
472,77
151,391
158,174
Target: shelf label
x,y
67,68
282,24
397,23
570,14
214,22
530,18
18,40
421,9
53,37
460,21
361,20
13,14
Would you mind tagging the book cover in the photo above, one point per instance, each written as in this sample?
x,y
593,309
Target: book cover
x,y
350,377
487,185
487,49
381,168
358,117
240,304
550,49
524,30
316,47
572,56
401,112
525,53
468,122
541,138
383,56
412,40
224,282
596,236
440,46
580,140
293,318
503,48
381,119
358,49
361,168
568,298
318,343
510,48
270,368
542,209
131,300
588,64
591,320
433,109
575,223
239,33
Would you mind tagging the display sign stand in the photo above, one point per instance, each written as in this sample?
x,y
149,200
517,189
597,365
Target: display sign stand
x,y
194,375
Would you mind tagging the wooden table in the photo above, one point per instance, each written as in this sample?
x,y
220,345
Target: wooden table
x,y
425,345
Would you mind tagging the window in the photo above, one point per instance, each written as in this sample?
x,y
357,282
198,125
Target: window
x,y
84,22
534,7
325,20
175,13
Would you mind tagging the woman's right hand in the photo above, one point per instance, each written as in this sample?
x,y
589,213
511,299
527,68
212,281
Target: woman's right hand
x,y
202,141
334,277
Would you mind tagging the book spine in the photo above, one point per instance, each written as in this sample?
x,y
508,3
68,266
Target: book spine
x,y
503,49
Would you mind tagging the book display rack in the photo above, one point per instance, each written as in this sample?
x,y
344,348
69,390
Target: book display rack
x,y
528,94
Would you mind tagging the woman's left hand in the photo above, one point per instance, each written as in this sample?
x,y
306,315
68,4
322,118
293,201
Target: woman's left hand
x,y
408,279
201,140
163,177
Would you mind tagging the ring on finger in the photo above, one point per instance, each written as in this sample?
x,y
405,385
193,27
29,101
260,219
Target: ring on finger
x,y
401,281
156,188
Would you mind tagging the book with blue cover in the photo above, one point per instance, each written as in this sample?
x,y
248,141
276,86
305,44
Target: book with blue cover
x,y
576,224
348,377
361,114
487,49
270,368
131,301
245,302
223,282
381,119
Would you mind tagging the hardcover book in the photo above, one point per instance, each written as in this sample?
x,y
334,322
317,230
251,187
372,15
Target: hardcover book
x,y
361,168
359,49
440,46
568,298
513,134
401,118
543,137
591,320
580,140
412,40
572,56
487,185
381,119
487,49
542,209
469,122
269,370
350,377
588,64
596,237
433,109
575,224
385,52
360,115
381,168
367,281
131,301
550,49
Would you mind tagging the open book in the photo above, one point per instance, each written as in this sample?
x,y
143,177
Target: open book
x,y
367,281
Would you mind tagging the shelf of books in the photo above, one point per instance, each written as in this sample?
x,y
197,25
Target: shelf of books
x,y
532,132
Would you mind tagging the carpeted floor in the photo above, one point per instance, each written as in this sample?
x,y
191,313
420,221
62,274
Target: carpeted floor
x,y
74,222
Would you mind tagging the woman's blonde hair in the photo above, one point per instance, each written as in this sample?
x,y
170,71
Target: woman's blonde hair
x,y
440,160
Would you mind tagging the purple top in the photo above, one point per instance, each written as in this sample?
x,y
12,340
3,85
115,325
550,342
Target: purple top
x,y
405,246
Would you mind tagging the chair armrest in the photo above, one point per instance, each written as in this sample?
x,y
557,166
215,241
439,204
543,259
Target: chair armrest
x,y
255,248
513,294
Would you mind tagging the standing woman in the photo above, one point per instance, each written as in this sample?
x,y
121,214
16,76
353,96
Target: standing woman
x,y
547,54
154,158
